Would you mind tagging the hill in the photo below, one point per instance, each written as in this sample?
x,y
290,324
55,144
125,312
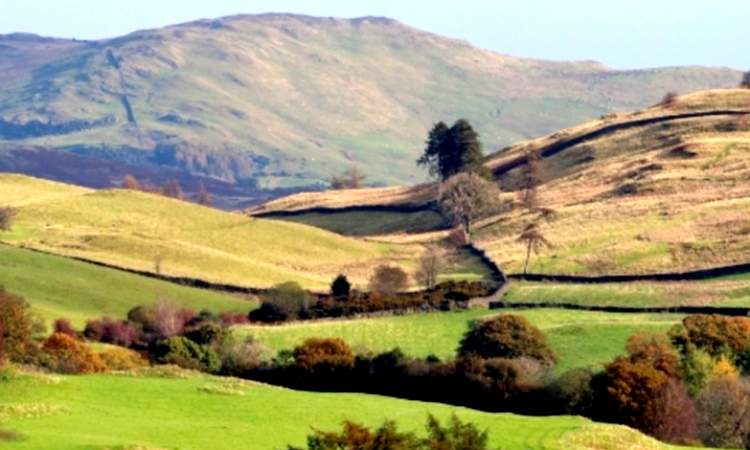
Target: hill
x,y
146,232
663,189
284,100
150,410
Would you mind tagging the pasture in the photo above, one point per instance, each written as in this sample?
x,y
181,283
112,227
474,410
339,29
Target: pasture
x,y
166,408
582,338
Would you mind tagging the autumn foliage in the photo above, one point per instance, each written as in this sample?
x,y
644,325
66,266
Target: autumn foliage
x,y
507,336
71,356
324,354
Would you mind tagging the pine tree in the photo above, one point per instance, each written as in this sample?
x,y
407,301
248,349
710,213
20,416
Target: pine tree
x,y
452,150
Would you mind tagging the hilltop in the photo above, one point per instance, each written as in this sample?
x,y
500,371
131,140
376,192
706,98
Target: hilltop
x,y
280,100
664,189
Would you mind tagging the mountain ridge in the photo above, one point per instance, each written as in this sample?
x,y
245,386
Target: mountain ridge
x,y
286,100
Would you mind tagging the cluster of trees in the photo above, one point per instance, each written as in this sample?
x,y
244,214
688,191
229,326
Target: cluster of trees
x,y
170,188
454,156
289,301
355,436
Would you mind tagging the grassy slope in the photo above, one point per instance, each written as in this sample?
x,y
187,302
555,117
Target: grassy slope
x,y
625,202
118,412
134,230
59,287
583,339
314,95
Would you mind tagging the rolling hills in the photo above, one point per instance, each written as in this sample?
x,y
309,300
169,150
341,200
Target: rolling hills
x,y
284,100
665,189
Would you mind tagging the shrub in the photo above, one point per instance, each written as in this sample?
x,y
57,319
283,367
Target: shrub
x,y
341,287
324,354
161,319
389,280
669,98
675,419
229,318
354,436
94,330
68,355
118,332
207,333
185,353
63,326
7,215
119,358
507,336
573,392
282,302
244,356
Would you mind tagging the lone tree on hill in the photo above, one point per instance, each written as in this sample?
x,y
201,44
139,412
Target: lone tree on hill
x,y
341,287
353,178
467,197
389,280
452,150
7,214
745,83
203,198
534,240
430,264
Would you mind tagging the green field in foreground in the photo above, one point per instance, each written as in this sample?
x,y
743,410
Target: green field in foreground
x,y
582,338
118,412
60,287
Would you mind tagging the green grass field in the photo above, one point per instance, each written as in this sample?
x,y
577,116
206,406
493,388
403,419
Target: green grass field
x,y
140,231
583,339
59,287
119,412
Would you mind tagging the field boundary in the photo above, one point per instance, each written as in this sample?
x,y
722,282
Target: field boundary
x,y
346,209
722,310
694,275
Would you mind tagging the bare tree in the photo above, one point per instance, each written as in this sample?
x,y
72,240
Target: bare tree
x,y
535,240
173,189
389,280
431,263
724,413
745,83
203,197
531,177
467,197
353,178
7,214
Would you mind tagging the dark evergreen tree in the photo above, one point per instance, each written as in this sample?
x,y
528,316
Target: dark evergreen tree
x,y
341,287
453,150
745,83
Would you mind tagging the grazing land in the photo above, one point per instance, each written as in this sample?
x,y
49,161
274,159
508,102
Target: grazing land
x,y
582,338
186,410
58,287
145,232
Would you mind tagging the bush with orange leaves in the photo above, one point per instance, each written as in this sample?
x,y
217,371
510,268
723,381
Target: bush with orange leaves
x,y
68,355
324,355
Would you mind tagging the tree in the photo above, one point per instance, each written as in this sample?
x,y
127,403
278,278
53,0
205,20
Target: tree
x,y
129,182
745,83
7,215
17,325
341,287
388,280
467,197
535,240
353,178
531,177
70,356
724,413
452,150
507,336
282,302
430,264
173,189
203,197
